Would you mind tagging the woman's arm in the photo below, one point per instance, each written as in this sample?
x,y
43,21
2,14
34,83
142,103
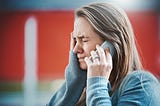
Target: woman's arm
x,y
71,90
97,92
98,73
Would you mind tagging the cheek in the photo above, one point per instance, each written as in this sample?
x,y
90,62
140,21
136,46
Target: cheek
x,y
88,48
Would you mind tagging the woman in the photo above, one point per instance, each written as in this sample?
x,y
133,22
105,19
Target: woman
x,y
93,76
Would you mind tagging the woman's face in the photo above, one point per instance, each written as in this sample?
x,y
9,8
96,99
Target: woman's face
x,y
85,40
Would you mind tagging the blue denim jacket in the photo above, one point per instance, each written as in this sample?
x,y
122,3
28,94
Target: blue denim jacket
x,y
139,88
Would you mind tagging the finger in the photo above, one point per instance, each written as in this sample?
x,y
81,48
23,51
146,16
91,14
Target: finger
x,y
72,42
108,56
95,57
101,53
109,59
88,61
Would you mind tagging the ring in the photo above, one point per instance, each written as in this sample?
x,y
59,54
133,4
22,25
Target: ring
x,y
96,57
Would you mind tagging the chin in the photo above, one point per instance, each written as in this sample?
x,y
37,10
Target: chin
x,y
83,66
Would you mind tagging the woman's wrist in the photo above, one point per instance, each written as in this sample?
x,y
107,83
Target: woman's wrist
x,y
98,81
97,73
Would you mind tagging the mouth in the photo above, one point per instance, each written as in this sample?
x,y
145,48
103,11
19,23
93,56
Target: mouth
x,y
81,59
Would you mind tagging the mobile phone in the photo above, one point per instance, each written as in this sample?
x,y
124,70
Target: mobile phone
x,y
106,45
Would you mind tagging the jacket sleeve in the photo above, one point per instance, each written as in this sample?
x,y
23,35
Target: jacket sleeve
x,y
97,92
71,90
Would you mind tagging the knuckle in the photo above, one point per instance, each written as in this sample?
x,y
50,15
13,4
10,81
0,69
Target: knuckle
x,y
91,66
103,65
109,67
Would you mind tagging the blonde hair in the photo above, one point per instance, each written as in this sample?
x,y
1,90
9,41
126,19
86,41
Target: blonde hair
x,y
112,24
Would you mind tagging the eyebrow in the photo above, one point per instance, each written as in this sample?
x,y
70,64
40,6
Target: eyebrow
x,y
82,36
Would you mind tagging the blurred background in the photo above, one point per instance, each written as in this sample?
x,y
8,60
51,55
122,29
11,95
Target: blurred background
x,y
34,44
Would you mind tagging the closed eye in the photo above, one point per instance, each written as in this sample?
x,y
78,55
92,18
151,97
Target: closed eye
x,y
84,40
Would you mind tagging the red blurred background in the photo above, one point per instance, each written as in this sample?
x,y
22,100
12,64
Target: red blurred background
x,y
54,29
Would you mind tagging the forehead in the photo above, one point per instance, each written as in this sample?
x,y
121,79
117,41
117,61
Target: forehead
x,y
83,27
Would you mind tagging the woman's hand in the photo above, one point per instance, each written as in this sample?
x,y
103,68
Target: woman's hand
x,y
72,42
100,63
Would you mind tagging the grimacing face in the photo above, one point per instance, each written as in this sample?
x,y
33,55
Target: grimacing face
x,y
86,40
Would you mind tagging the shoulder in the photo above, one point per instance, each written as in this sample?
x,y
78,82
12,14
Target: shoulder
x,y
141,84
141,75
140,78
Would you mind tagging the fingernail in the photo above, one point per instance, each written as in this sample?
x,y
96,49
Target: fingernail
x,y
85,59
97,45
107,50
91,51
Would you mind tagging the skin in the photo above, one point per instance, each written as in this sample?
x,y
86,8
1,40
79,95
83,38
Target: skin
x,y
84,42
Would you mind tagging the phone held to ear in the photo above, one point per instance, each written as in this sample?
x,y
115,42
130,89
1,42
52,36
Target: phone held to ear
x,y
106,45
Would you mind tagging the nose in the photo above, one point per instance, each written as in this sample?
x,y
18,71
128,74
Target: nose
x,y
78,48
